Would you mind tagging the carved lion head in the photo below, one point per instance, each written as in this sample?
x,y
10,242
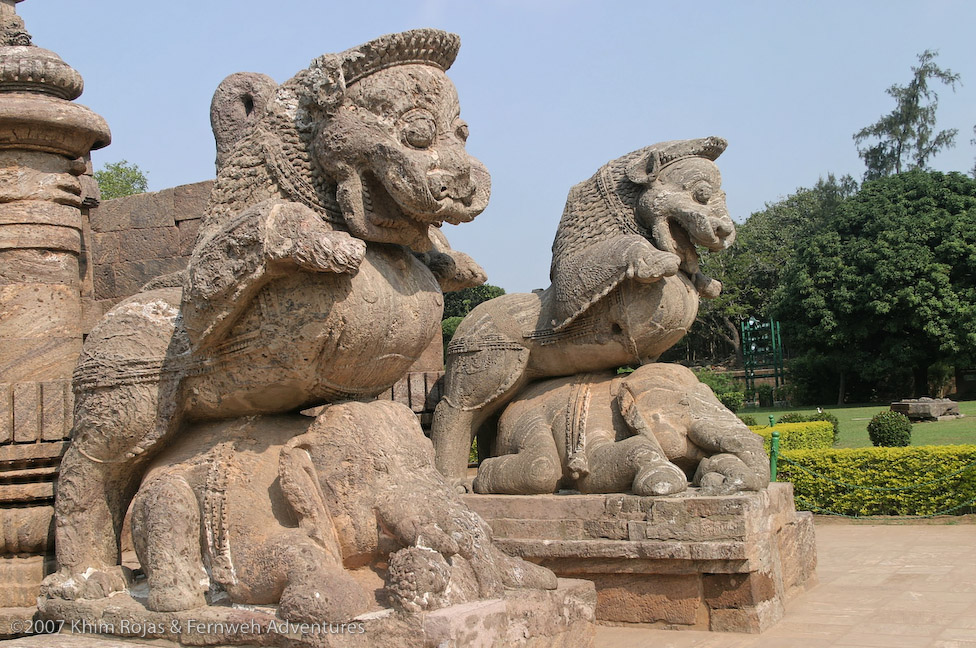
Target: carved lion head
x,y
372,138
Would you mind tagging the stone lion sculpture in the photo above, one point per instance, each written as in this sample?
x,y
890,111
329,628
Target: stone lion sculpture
x,y
625,288
650,432
316,278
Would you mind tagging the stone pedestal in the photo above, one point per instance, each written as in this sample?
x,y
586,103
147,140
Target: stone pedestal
x,y
534,619
45,140
927,409
724,563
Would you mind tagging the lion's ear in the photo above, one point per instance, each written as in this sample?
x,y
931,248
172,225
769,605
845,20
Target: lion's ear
x,y
326,82
644,169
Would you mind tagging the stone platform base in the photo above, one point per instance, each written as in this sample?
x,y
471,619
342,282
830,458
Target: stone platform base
x,y
686,562
536,619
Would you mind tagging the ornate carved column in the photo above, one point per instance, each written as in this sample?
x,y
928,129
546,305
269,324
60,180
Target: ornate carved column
x,y
45,141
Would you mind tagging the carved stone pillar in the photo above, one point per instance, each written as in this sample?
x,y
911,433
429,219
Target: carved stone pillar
x,y
45,141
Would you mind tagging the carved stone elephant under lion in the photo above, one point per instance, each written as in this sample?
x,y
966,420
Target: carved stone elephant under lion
x,y
650,432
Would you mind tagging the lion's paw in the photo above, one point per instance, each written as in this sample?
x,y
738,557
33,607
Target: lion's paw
x,y
654,265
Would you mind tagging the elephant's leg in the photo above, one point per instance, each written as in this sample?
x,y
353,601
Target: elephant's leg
x,y
317,586
166,535
529,461
636,463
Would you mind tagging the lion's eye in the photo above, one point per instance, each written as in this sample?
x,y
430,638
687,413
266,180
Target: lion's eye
x,y
462,131
702,194
419,129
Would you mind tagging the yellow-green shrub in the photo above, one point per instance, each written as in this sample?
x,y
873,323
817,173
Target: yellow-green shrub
x,y
938,478
809,435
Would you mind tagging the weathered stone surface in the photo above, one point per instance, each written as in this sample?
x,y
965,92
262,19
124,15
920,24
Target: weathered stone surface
x,y
19,577
635,598
45,142
644,432
733,575
560,618
237,105
625,289
139,211
927,409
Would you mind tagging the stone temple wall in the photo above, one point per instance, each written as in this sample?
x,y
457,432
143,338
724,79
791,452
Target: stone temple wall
x,y
134,239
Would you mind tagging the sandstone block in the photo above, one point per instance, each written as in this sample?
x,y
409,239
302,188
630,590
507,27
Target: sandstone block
x,y
38,266
29,310
188,235
106,247
150,243
25,359
146,210
633,598
190,200
27,412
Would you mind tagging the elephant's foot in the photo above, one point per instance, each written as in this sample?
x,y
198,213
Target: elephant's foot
x,y
659,479
723,474
90,584
328,593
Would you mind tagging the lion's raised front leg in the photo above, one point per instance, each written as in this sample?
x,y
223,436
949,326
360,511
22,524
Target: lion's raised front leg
x,y
231,264
582,279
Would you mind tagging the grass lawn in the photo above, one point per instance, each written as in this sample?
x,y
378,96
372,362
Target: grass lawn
x,y
854,424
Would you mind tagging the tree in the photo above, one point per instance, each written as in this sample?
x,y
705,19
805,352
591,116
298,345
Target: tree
x,y
117,179
905,139
461,302
973,141
750,271
887,287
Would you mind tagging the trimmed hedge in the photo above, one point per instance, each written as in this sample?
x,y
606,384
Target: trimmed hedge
x,y
810,435
928,471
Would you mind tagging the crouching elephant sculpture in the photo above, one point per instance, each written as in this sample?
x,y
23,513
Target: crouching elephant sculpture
x,y
650,432
304,512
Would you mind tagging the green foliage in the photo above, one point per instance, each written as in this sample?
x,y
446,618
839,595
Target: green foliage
x,y
462,302
886,287
748,419
719,382
751,270
807,435
799,417
765,395
117,179
904,137
887,468
732,400
890,429
830,418
448,328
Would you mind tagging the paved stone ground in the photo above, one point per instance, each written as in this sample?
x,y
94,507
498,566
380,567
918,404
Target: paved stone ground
x,y
881,586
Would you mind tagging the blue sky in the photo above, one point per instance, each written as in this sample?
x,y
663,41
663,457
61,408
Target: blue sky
x,y
551,89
